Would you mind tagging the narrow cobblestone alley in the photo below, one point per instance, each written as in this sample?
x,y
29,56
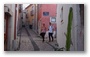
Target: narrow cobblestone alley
x,y
43,27
30,41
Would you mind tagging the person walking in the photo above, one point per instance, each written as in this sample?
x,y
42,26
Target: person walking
x,y
50,31
43,31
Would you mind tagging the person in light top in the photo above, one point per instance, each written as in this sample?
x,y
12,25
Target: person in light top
x,y
43,31
51,29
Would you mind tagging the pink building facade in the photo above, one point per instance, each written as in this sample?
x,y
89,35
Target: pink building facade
x,y
46,14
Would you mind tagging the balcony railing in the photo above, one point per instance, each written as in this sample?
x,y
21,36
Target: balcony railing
x,y
32,13
20,7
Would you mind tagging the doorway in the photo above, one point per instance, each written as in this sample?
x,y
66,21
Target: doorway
x,y
7,31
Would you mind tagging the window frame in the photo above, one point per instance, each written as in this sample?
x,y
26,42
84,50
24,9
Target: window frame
x,y
61,15
51,18
45,13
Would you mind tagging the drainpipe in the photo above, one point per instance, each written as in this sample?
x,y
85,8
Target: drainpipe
x,y
15,22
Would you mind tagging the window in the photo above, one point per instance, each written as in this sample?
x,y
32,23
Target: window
x,y
61,15
33,8
53,19
45,13
32,13
26,16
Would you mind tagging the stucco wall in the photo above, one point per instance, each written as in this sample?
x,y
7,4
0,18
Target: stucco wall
x,y
11,31
62,27
51,8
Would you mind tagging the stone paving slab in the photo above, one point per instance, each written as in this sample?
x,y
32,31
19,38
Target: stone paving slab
x,y
44,46
26,44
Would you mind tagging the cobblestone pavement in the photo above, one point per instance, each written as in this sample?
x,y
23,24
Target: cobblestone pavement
x,y
31,42
25,43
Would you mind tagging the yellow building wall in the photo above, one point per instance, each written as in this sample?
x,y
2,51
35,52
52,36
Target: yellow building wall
x,y
30,18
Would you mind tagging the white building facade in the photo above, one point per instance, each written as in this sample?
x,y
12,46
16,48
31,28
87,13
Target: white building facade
x,y
77,29
10,26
